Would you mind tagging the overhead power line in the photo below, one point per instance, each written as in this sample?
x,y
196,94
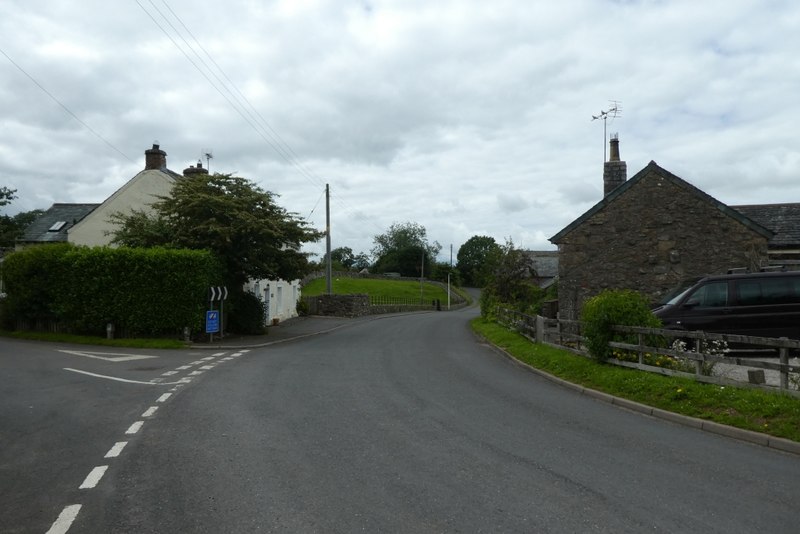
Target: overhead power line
x,y
65,108
223,84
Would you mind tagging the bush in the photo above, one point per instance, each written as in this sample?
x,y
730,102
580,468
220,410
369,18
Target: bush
x,y
614,307
143,292
245,314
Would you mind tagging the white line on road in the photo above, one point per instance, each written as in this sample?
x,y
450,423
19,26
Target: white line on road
x,y
209,358
135,427
114,451
94,477
150,411
164,397
207,367
197,362
169,373
195,373
108,356
110,377
218,354
65,519
236,354
183,367
245,350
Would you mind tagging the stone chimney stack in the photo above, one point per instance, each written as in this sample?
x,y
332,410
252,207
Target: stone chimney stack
x,y
615,172
192,170
155,158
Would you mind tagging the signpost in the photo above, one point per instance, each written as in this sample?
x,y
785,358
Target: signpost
x,y
213,317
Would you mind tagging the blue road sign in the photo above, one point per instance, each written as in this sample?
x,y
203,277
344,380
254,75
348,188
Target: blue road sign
x,y
212,322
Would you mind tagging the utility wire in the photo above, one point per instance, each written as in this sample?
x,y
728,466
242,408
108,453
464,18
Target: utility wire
x,y
254,117
66,109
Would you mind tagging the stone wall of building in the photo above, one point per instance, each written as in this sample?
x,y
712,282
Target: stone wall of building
x,y
649,239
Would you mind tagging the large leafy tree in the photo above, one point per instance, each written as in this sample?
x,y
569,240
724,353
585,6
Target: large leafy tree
x,y
476,258
241,223
405,249
511,282
346,259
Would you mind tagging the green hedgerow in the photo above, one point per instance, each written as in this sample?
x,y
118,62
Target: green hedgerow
x,y
614,307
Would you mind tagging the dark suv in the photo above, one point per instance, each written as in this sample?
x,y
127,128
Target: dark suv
x,y
754,304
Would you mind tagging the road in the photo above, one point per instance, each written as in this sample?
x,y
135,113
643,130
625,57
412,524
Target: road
x,y
399,424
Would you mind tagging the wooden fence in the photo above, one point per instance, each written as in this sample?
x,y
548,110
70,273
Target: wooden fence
x,y
656,341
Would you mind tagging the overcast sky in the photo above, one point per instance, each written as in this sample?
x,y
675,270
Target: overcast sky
x,y
468,117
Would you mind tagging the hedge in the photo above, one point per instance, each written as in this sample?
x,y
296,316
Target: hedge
x,y
143,292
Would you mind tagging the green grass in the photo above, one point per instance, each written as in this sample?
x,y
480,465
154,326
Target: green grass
x,y
750,409
92,340
378,288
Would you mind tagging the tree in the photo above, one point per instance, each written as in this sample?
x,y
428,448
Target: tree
x,y
511,282
404,248
13,227
7,195
344,258
475,259
238,221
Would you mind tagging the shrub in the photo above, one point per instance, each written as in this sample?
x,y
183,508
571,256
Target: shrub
x,y
245,313
614,307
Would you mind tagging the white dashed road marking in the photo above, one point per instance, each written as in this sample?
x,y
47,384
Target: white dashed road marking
x,y
94,477
134,428
68,515
65,519
114,451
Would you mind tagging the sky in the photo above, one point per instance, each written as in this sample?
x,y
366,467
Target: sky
x,y
467,117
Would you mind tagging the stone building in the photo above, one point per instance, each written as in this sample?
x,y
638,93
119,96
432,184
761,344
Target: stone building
x,y
649,233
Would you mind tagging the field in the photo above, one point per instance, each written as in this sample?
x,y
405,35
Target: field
x,y
378,288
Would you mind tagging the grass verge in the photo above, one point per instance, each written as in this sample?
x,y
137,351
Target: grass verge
x,y
770,413
92,340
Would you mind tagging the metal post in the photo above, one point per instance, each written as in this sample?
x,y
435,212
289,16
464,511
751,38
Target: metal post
x,y
784,356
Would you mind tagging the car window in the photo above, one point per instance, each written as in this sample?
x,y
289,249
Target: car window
x,y
766,291
712,294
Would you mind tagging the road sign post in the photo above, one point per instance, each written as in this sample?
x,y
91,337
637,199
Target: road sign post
x,y
217,293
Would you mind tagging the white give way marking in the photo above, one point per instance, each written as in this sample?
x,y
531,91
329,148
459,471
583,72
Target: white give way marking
x,y
108,356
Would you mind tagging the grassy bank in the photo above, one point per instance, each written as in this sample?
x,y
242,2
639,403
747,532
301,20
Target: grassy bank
x,y
373,287
761,411
101,341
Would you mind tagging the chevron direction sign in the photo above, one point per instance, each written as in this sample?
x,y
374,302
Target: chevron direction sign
x,y
218,293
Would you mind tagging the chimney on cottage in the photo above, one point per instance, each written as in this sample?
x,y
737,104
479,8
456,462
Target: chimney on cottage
x,y
615,172
155,158
192,170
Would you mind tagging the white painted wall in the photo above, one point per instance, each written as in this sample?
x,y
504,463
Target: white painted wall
x,y
139,193
278,296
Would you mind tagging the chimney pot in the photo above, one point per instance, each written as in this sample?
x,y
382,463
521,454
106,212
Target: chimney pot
x,y
615,171
155,158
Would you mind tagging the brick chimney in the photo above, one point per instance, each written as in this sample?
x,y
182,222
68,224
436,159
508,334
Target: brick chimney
x,y
155,158
192,170
615,172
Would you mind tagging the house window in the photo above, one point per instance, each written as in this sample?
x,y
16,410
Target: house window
x,y
57,226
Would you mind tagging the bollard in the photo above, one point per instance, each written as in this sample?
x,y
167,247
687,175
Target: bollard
x,y
187,337
110,331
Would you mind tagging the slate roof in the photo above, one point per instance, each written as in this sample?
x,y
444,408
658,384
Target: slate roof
x,y
653,167
545,262
783,219
70,214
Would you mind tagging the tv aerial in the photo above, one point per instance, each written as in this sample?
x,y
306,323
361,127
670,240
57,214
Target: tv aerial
x,y
614,111
209,156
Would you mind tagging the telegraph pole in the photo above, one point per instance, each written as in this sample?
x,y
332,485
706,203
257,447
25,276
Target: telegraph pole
x,y
328,262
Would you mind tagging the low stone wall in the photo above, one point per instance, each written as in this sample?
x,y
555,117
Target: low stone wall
x,y
339,305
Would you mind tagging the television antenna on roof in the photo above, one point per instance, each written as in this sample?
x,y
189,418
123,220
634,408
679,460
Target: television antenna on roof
x,y
614,111
209,156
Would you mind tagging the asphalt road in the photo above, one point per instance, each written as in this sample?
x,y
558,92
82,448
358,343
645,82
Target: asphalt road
x,y
400,424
